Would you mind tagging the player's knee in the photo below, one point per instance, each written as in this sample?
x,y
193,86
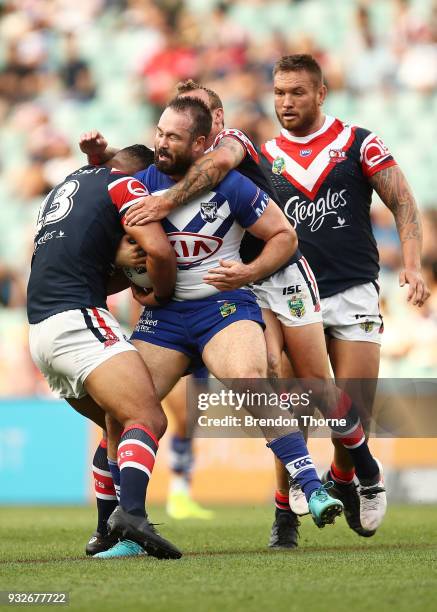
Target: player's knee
x,y
158,423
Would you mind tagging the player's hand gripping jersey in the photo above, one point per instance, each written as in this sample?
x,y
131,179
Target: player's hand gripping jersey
x,y
322,182
78,231
207,229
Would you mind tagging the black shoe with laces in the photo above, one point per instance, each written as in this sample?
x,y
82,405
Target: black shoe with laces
x,y
284,532
99,543
128,526
348,494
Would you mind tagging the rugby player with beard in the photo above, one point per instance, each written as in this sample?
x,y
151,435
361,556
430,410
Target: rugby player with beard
x,y
324,172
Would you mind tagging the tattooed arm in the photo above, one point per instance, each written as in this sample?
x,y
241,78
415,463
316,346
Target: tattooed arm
x,y
394,190
202,176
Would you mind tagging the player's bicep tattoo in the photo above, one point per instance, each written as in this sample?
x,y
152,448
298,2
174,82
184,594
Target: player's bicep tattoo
x,y
394,190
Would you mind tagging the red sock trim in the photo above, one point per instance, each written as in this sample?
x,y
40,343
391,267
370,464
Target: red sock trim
x,y
149,433
342,476
282,502
282,499
104,443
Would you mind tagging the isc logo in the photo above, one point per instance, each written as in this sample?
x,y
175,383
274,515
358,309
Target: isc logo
x,y
193,248
292,289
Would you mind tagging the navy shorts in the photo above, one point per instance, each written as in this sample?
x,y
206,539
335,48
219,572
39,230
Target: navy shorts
x,y
189,325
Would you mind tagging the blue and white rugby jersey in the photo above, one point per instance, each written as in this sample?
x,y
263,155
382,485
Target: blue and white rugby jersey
x,y
207,229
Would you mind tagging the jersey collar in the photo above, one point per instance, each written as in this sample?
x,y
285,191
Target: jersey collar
x,y
306,139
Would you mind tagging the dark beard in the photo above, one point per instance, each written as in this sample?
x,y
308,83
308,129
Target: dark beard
x,y
177,166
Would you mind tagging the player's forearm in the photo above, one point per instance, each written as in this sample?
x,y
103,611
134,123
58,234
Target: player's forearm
x,y
276,252
393,189
202,176
161,269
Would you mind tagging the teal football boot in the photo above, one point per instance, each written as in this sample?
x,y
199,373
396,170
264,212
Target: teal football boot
x,y
123,549
324,508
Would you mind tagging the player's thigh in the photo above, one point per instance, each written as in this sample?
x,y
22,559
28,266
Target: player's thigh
x,y
274,342
356,370
122,386
237,351
306,348
351,359
166,366
88,408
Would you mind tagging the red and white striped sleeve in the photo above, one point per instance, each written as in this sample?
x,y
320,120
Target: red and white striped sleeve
x,y
125,191
246,143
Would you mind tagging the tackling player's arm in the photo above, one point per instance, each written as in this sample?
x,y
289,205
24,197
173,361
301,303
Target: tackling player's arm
x,y
160,259
394,190
280,245
124,191
202,176
95,146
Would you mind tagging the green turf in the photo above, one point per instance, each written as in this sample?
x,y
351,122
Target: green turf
x,y
227,566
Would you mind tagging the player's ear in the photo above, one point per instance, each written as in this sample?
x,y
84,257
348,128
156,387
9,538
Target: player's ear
x,y
218,116
321,94
200,142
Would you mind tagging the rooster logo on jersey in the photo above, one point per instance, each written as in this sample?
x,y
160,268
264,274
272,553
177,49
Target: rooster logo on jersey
x,y
208,211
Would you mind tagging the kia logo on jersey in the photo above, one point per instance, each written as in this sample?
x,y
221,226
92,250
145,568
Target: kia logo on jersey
x,y
192,248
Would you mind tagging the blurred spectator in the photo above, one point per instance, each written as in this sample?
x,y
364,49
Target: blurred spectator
x,y
370,63
174,62
76,73
12,290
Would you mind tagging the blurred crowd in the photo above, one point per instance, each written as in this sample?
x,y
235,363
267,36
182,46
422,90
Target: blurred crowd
x,y
113,64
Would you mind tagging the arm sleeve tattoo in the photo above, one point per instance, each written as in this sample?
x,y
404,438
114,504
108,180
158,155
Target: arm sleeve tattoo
x,y
394,190
206,173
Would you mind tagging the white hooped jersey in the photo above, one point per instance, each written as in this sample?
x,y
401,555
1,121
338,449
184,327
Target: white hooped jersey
x,y
208,229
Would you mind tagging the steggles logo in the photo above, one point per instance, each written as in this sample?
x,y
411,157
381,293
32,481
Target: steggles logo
x,y
314,213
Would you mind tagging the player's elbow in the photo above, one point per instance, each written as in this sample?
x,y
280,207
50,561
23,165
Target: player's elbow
x,y
287,239
224,160
161,251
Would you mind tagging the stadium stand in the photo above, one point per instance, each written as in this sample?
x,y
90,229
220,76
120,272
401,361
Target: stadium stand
x,y
113,64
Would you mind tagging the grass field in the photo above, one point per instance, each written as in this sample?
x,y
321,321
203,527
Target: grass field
x,y
226,566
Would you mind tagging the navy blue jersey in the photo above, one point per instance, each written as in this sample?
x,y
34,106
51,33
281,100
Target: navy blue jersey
x,y
250,166
322,182
79,228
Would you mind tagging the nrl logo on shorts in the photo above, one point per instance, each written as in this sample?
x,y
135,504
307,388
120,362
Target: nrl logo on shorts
x,y
208,211
367,326
278,165
296,306
227,309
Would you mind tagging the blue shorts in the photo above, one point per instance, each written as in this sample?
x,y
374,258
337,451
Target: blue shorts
x,y
188,326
